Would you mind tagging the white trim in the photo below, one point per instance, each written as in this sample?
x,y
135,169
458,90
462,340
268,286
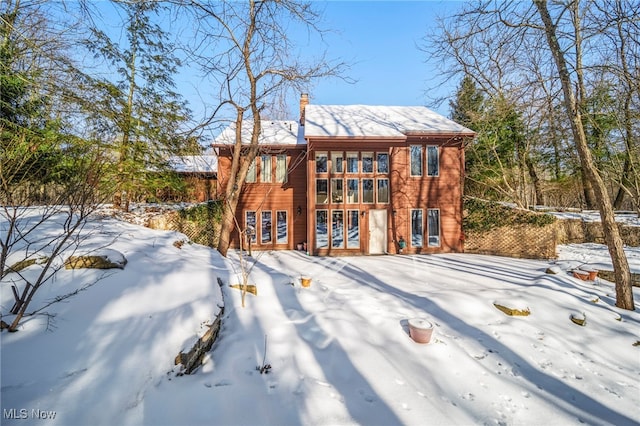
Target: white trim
x,y
411,147
421,227
439,236
286,227
427,160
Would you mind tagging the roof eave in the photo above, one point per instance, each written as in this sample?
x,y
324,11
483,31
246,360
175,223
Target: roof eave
x,y
449,135
274,145
358,138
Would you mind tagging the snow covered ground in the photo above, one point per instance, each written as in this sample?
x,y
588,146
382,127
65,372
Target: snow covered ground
x,y
339,350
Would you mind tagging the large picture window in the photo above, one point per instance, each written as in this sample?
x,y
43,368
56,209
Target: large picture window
x,y
251,173
322,233
433,161
367,162
416,160
321,162
281,168
337,191
352,191
250,224
383,162
281,227
265,228
383,190
352,162
337,229
433,227
322,191
266,168
416,228
367,190
336,162
353,229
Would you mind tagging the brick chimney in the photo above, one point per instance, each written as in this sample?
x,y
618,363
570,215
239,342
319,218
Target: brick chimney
x,y
304,101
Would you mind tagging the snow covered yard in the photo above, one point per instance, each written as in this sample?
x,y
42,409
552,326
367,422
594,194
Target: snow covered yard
x,y
339,351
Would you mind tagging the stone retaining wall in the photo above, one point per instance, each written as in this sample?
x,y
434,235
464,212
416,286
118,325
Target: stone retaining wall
x,y
576,231
192,358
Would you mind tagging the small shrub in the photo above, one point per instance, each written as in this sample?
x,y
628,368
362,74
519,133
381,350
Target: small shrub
x,y
201,223
206,212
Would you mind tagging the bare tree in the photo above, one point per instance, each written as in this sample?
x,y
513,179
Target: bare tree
x,y
248,55
500,43
37,231
624,294
50,179
620,28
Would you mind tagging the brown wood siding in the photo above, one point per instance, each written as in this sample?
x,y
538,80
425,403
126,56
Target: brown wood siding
x,y
443,192
359,146
201,188
272,197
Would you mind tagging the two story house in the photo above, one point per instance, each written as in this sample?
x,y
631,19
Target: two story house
x,y
354,179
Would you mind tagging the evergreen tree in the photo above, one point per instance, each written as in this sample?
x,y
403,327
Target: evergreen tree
x,y
30,138
140,114
466,108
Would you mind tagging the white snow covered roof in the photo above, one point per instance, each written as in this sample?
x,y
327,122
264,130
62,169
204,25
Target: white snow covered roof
x,y
272,133
376,121
194,163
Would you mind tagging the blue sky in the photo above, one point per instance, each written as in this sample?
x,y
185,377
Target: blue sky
x,y
381,38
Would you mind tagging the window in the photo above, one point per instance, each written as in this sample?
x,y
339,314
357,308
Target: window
x,y
322,234
250,224
337,191
353,229
433,227
383,162
337,229
416,160
416,228
281,169
266,168
352,162
336,162
251,173
281,227
367,162
352,191
322,191
321,162
433,162
265,234
383,190
367,190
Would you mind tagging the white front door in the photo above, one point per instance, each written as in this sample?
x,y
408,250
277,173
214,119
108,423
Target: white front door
x,y
377,231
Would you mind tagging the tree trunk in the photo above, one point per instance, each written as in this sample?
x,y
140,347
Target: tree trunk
x,y
619,199
242,157
590,198
228,224
624,294
535,180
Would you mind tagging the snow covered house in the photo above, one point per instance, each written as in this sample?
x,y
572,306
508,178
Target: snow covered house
x,y
354,179
199,173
